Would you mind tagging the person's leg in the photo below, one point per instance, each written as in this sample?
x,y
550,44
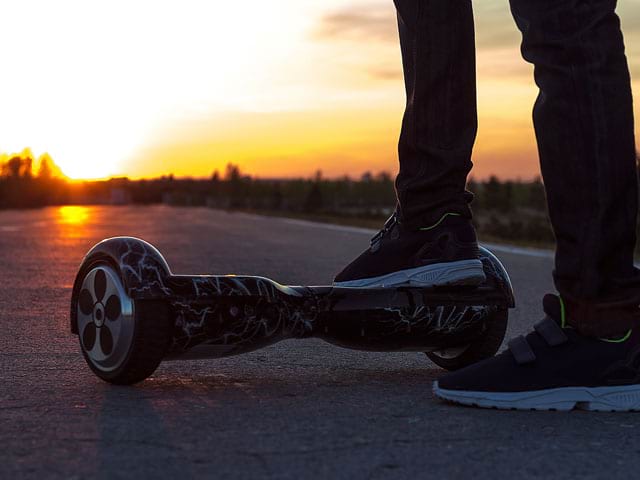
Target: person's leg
x,y
584,126
430,239
440,121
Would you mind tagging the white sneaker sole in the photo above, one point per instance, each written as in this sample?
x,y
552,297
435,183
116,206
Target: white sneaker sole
x,y
462,272
599,399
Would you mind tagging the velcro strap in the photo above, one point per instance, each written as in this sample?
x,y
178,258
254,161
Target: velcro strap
x,y
551,332
521,350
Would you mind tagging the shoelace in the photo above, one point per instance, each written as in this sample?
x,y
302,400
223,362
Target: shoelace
x,y
391,222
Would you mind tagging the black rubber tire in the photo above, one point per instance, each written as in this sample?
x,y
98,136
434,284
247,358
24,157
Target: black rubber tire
x,y
152,336
484,347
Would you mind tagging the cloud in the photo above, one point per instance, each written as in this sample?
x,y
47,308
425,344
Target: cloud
x,y
372,25
385,73
359,23
376,22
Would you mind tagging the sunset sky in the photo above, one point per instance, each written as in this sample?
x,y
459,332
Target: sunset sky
x,y
282,87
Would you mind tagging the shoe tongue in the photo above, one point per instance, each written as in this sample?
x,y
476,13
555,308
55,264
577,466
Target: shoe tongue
x,y
551,306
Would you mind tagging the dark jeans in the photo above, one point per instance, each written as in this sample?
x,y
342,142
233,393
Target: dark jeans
x,y
583,120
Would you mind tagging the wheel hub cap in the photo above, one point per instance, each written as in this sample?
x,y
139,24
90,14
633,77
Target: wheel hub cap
x,y
105,319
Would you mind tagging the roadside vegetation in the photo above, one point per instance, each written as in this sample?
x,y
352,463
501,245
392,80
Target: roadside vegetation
x,y
509,211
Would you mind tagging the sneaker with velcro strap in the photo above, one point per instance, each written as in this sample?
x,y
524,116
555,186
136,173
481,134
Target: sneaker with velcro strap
x,y
552,368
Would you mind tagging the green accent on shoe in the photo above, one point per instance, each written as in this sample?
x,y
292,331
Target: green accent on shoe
x,y
440,221
618,340
563,317
563,324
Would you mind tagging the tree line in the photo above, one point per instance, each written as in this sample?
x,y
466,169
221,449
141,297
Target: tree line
x,y
22,185
514,211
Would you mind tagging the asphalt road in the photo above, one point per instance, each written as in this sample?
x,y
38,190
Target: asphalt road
x,y
299,409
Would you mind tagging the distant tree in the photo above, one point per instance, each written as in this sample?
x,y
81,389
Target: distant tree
x,y
45,172
232,173
215,183
497,196
314,201
537,198
384,177
277,199
12,168
46,168
19,190
18,166
492,194
508,196
236,187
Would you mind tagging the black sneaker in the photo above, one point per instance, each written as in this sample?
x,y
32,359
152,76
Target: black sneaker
x,y
552,368
442,254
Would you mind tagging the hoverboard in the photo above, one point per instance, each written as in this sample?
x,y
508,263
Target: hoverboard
x,y
130,313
